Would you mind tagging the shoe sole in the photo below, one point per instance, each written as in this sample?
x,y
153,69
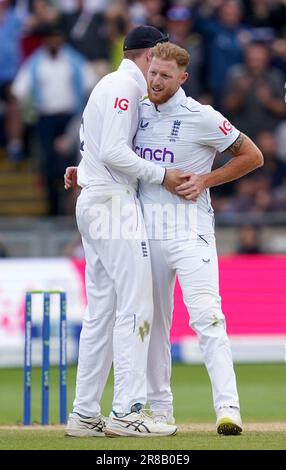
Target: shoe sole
x,y
74,433
228,428
124,433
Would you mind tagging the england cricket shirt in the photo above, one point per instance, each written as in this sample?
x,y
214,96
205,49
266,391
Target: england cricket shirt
x,y
185,135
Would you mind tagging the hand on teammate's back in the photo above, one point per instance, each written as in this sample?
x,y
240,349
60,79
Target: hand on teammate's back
x,y
70,177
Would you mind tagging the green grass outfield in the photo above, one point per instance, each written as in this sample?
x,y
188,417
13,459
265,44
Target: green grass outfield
x,y
262,391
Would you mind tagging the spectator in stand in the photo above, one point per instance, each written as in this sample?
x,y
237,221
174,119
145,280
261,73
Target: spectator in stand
x,y
67,146
118,25
263,204
57,79
38,12
274,169
249,241
11,26
281,140
279,197
85,27
180,25
225,39
252,196
243,199
148,12
258,14
278,17
255,98
278,52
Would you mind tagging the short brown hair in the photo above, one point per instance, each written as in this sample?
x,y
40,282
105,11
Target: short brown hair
x,y
169,51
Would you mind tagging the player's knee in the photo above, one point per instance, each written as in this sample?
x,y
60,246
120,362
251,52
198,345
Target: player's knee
x,y
210,323
201,303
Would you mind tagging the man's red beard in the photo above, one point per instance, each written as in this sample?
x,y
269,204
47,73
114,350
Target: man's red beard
x,y
164,96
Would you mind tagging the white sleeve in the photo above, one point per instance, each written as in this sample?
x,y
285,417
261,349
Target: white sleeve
x,y
21,86
216,131
121,108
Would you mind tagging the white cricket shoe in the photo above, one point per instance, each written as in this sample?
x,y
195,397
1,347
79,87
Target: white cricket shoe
x,y
137,424
163,416
79,426
229,421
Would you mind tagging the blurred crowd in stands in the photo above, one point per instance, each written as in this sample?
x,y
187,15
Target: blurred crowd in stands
x,y
52,53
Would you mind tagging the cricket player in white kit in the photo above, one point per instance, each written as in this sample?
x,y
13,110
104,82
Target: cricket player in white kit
x,y
117,323
176,131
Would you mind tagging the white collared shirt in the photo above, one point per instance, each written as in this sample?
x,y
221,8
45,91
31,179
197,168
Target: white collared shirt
x,y
182,134
55,79
109,124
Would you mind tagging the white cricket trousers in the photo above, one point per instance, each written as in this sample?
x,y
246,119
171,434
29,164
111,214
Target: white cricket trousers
x,y
197,271
117,322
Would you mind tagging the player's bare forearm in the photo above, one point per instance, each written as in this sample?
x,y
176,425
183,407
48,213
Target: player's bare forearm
x,y
246,158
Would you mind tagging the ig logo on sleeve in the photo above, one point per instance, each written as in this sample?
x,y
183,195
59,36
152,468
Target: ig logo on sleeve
x,y
121,103
226,127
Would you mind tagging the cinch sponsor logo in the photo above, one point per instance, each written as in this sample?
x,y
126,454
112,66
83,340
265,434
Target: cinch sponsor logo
x,y
160,155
